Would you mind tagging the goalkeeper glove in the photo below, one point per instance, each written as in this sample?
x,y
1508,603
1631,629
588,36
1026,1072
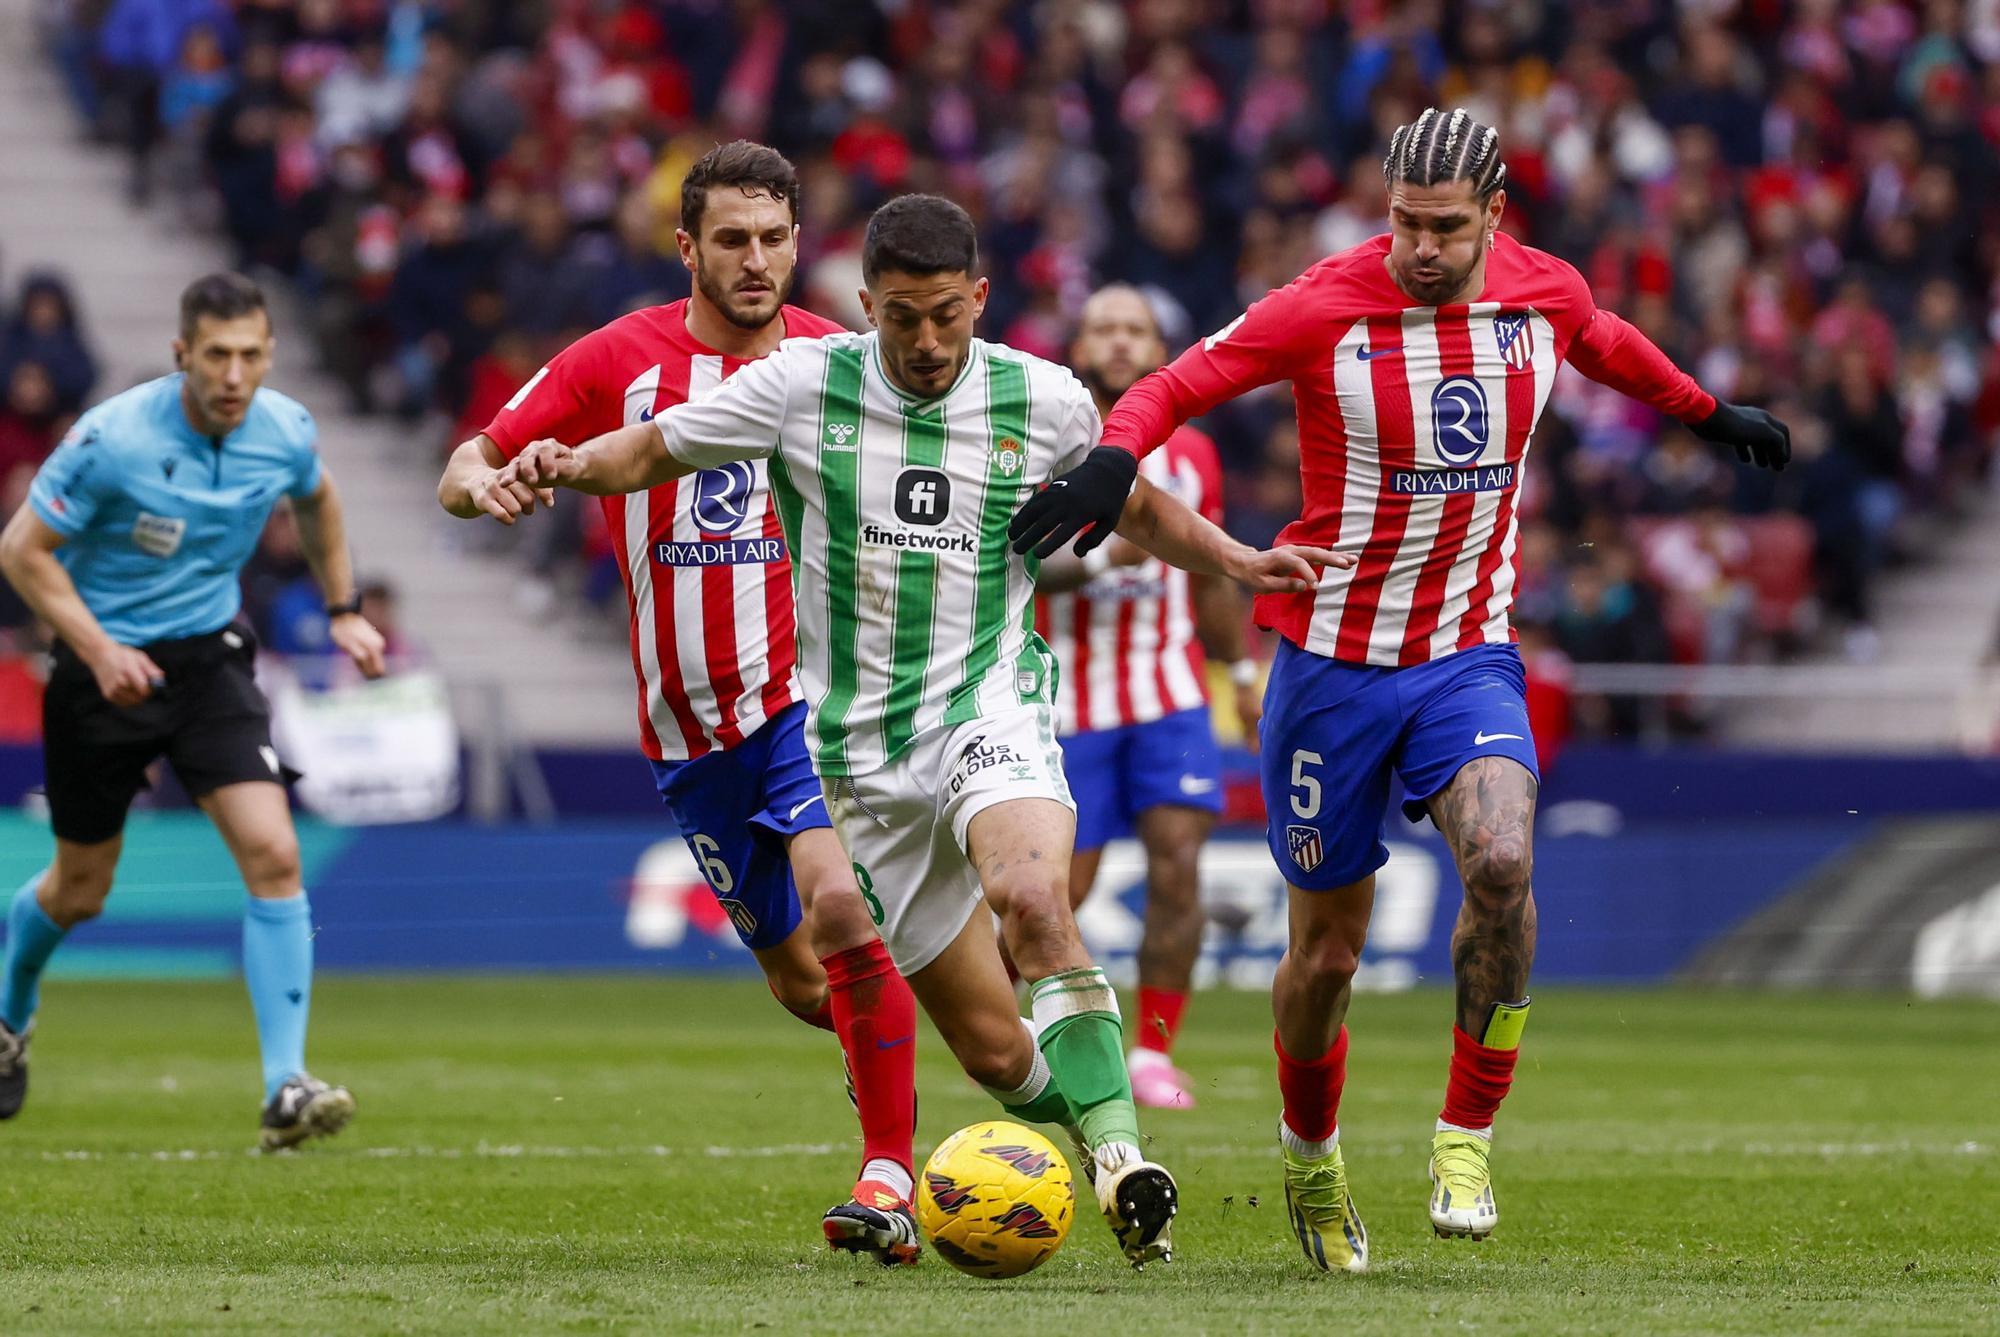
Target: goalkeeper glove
x,y
1759,438
1087,500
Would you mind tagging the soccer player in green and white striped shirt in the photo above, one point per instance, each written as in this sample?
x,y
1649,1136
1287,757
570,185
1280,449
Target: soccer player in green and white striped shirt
x,y
898,459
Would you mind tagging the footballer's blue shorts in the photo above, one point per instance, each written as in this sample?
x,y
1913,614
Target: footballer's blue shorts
x,y
1116,774
736,809
1332,732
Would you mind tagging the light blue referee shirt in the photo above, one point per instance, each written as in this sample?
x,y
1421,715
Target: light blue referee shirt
x,y
158,519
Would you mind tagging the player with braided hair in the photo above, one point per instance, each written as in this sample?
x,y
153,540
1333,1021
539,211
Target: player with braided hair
x,y
1420,362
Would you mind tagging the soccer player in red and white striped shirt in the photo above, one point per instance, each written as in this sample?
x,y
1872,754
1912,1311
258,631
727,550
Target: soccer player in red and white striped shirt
x,y
1138,747
708,583
1420,362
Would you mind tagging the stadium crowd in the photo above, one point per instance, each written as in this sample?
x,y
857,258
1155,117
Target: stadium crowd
x,y
1794,200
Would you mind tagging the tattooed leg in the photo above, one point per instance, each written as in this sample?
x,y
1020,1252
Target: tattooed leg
x,y
1487,815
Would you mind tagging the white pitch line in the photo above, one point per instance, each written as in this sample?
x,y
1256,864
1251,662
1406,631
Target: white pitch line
x,y
656,1151
483,1151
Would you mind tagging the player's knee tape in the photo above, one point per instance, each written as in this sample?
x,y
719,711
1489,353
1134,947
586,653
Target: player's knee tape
x,y
1073,993
1076,1013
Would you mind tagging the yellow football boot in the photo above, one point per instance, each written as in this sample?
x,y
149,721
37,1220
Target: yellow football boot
x,y
1462,1186
1322,1212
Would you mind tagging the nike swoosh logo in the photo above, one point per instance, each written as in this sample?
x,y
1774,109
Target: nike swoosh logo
x,y
1196,784
798,808
1367,354
891,1044
1482,739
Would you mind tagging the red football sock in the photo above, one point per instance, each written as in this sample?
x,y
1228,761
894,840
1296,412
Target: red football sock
x,y
875,1015
822,1018
1159,1017
1478,1083
1312,1090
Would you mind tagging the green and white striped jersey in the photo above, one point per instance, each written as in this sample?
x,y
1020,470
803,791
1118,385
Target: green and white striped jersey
x,y
913,611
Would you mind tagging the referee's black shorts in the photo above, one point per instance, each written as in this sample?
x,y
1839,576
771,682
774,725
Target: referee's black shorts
x,y
209,721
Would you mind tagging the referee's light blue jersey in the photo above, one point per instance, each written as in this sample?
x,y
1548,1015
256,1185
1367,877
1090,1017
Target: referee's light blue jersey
x,y
158,519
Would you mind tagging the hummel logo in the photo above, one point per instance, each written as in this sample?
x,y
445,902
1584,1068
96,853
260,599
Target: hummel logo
x,y
840,435
1482,738
1367,354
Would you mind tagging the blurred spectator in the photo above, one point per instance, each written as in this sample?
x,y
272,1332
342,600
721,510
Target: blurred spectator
x,y
1703,563
45,330
139,43
380,606
199,80
29,418
1864,423
427,301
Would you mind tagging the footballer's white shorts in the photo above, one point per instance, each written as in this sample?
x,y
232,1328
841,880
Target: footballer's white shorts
x,y
904,824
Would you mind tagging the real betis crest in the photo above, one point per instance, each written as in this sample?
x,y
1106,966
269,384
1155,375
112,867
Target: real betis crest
x,y
1007,454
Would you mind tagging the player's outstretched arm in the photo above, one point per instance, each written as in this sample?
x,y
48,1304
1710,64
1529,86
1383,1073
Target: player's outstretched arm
x,y
741,419
1175,533
1064,571
1272,341
1612,352
631,459
471,488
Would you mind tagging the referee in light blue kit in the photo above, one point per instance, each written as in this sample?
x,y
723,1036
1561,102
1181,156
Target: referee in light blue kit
x,y
129,547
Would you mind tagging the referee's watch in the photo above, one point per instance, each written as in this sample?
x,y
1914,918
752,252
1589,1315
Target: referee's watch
x,y
352,604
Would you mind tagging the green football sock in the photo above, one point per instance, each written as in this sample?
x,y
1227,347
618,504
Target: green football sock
x,y
1076,1014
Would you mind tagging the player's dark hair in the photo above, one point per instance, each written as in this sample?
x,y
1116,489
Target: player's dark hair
x,y
1446,146
224,296
754,169
920,234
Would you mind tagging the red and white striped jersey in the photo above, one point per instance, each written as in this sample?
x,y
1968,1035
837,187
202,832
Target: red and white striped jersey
x,y
1126,641
706,574
1413,422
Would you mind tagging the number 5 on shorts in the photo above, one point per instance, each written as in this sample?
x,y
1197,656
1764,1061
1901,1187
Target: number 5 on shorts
x,y
713,870
1305,789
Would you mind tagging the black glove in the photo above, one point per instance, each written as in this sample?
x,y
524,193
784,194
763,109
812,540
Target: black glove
x,y
1092,494
1759,438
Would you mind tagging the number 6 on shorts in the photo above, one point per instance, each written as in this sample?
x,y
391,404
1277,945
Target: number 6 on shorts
x,y
713,870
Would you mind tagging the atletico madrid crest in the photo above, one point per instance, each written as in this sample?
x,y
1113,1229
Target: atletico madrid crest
x,y
1303,843
1515,337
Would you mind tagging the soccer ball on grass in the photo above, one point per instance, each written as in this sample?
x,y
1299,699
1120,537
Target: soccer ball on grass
x,y
996,1199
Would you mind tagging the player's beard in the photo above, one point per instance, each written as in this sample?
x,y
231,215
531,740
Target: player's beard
x,y
724,300
1108,385
1437,291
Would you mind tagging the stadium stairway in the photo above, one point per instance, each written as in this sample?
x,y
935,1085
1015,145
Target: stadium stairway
x,y
63,206
1933,682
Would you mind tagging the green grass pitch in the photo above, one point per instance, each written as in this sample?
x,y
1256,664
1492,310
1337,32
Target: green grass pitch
x,y
649,1155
